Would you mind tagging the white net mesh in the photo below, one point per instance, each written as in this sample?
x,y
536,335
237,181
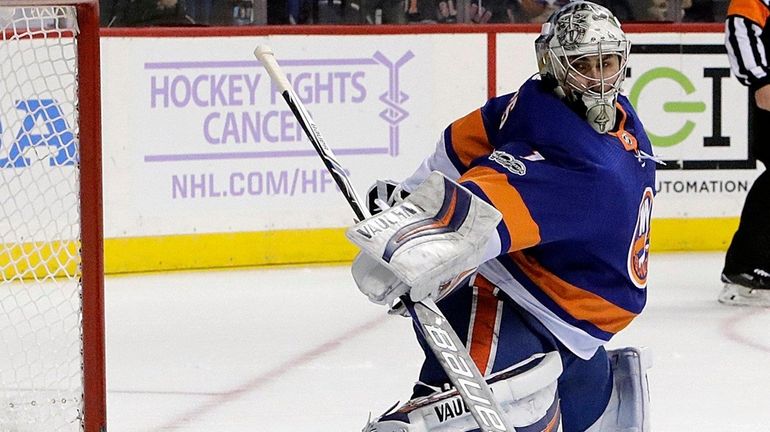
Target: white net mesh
x,y
41,373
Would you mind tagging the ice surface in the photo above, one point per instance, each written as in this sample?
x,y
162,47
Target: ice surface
x,y
299,349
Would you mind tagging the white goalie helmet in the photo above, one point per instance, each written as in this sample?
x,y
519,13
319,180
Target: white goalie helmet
x,y
583,49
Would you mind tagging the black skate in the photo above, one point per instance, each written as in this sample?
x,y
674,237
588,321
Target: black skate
x,y
746,289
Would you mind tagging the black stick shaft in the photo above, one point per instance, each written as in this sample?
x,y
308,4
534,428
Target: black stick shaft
x,y
436,330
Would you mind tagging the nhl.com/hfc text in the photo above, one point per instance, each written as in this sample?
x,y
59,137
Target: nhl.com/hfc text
x,y
256,183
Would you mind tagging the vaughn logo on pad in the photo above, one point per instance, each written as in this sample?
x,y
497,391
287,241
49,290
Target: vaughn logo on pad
x,y
386,220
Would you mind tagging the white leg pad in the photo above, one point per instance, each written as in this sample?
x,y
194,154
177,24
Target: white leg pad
x,y
526,393
629,407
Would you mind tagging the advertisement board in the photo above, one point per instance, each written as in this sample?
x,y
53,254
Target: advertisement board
x,y
197,138
201,149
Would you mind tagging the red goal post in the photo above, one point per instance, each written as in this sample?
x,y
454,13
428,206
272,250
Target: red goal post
x,y
52,377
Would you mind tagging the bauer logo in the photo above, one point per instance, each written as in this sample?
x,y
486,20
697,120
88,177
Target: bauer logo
x,y
462,373
36,130
696,125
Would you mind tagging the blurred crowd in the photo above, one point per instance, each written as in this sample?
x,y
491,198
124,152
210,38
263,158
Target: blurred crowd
x,y
121,13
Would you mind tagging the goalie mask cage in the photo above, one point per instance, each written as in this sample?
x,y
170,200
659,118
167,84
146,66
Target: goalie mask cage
x,y
51,266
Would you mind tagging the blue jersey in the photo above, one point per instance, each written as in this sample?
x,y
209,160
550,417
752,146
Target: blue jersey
x,y
572,247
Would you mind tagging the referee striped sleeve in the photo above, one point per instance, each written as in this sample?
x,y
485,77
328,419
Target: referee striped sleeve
x,y
746,50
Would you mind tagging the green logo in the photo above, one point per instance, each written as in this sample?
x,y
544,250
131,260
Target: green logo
x,y
669,107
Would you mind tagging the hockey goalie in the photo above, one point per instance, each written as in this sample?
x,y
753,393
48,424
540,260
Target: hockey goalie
x,y
529,226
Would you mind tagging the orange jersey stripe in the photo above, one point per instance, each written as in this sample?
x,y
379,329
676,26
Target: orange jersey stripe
x,y
522,229
754,10
555,422
629,141
482,334
469,138
579,303
444,221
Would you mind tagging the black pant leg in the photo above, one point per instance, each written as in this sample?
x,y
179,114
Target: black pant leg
x,y
750,247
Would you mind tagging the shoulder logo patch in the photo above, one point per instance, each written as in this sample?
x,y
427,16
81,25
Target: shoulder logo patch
x,y
639,250
508,162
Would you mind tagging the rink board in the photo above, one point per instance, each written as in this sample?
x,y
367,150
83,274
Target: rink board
x,y
206,167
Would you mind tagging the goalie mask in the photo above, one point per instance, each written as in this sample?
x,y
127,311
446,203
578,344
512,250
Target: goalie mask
x,y
583,49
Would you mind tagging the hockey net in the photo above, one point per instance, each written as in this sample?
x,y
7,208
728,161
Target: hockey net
x,y
51,308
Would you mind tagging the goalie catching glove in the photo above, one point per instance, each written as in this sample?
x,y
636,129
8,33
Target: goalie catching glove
x,y
424,245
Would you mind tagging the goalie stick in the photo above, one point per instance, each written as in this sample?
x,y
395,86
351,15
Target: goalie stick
x,y
428,319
